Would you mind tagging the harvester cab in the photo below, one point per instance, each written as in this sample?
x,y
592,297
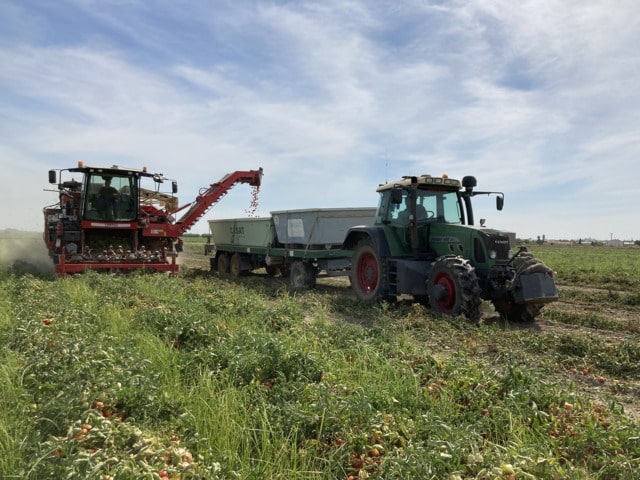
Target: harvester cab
x,y
425,243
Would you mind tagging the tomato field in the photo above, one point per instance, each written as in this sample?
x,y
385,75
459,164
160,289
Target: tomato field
x,y
201,377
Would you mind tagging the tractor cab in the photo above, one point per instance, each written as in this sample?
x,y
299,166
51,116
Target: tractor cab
x,y
414,209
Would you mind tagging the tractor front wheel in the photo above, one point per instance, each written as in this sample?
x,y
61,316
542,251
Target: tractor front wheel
x,y
524,263
514,312
453,287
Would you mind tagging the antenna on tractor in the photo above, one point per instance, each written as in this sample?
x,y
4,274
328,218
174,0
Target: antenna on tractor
x,y
386,166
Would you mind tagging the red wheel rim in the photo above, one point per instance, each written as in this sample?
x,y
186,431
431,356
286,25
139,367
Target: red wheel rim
x,y
448,301
367,273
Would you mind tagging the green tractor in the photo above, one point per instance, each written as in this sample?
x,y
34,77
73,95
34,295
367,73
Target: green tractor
x,y
424,243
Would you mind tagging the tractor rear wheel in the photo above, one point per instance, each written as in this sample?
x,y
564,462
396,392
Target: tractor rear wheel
x,y
369,278
453,287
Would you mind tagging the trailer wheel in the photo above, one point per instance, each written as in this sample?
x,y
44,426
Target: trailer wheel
x,y
453,287
235,266
369,278
271,270
302,275
223,263
285,270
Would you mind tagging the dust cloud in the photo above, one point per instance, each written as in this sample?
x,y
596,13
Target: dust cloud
x,y
24,252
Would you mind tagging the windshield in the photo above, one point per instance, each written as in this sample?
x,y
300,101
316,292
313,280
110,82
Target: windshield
x,y
111,197
431,205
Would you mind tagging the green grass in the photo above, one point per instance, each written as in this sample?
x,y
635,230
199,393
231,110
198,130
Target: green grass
x,y
604,267
148,376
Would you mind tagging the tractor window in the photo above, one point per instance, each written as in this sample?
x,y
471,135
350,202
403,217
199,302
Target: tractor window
x,y
111,198
431,206
441,206
451,208
398,213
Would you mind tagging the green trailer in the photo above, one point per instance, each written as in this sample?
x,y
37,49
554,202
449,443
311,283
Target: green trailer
x,y
303,244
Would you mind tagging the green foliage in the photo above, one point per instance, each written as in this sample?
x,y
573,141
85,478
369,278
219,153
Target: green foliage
x,y
604,267
148,376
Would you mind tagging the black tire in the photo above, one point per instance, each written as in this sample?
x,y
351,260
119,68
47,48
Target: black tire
x,y
302,275
271,270
285,270
513,312
223,263
524,263
369,273
235,266
453,288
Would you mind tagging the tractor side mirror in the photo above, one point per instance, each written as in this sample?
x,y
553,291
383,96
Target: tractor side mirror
x,y
174,186
499,202
52,176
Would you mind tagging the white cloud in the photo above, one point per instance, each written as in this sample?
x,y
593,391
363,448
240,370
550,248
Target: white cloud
x,y
536,98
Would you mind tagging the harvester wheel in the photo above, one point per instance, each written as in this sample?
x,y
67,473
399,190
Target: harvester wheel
x,y
302,275
369,278
223,263
453,287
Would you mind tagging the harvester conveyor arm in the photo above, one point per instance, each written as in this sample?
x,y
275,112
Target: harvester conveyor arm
x,y
214,194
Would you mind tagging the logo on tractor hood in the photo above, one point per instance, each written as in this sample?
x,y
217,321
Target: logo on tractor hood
x,y
445,239
110,225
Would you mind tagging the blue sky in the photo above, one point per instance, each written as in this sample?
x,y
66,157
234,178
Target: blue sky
x,y
537,99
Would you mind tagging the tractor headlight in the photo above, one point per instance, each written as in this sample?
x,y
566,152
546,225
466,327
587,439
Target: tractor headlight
x,y
510,255
493,254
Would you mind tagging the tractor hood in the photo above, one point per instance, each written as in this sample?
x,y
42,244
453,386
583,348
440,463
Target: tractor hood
x,y
497,241
479,244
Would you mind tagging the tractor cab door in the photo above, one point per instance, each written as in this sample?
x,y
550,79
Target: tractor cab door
x,y
111,197
394,212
